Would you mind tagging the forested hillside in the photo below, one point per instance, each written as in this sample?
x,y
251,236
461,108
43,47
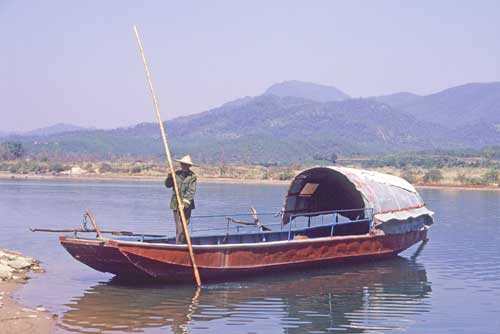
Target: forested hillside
x,y
310,124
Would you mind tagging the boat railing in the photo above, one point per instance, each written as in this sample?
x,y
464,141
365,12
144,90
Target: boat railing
x,y
269,222
332,218
233,222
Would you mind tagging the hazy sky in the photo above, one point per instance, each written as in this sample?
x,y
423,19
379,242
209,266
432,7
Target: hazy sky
x,y
77,61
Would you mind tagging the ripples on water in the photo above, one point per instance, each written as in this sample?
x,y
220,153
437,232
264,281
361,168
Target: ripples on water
x,y
451,286
375,296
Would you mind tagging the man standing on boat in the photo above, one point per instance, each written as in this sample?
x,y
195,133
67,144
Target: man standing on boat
x,y
186,181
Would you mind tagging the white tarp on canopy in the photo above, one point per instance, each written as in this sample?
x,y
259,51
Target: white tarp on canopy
x,y
391,197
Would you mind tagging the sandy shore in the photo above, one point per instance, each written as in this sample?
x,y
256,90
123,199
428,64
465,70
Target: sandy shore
x,y
142,178
15,318
457,187
129,178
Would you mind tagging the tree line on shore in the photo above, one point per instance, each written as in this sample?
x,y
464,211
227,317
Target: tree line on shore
x,y
489,177
466,166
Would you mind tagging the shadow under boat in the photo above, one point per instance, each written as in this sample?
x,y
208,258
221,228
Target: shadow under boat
x,y
299,301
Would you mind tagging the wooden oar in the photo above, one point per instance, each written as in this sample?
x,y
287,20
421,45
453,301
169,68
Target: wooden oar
x,y
83,230
180,205
241,222
255,223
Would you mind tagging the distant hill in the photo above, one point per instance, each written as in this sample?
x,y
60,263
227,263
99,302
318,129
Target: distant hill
x,y
455,107
46,131
471,111
398,100
54,129
263,129
270,128
306,90
480,133
273,128
4,134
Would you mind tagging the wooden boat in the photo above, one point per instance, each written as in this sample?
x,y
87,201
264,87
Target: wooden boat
x,y
330,215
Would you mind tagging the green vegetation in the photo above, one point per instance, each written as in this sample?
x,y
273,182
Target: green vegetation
x,y
136,170
491,176
328,158
57,167
286,175
11,150
463,176
451,167
488,157
105,168
433,176
28,166
409,175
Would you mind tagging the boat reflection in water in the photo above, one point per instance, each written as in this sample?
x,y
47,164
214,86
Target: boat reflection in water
x,y
375,297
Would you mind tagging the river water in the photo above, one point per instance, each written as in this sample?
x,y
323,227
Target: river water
x,y
450,285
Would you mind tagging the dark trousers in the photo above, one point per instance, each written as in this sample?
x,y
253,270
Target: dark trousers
x,y
180,236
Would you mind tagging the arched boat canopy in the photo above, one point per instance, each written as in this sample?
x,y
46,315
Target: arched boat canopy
x,y
332,188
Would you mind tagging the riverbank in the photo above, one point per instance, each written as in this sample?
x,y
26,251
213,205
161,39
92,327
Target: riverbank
x,y
15,318
118,177
457,187
130,178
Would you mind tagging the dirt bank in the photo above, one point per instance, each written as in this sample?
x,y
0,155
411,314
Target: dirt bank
x,y
139,178
15,318
130,178
457,186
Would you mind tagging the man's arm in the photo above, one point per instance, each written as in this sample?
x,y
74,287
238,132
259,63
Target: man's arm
x,y
169,181
190,191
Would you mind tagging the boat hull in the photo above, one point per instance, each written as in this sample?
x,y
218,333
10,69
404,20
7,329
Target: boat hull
x,y
171,263
167,263
100,256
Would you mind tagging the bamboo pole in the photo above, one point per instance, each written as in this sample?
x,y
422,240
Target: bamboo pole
x,y
180,205
83,230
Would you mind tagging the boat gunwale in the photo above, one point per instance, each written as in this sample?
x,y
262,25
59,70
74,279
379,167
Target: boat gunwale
x,y
116,242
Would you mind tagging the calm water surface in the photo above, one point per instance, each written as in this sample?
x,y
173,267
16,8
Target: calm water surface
x,y
450,285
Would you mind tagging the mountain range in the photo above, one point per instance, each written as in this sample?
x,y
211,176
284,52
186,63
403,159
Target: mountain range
x,y
298,121
455,107
46,131
307,90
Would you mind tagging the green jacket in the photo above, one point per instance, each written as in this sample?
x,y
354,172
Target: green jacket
x,y
186,181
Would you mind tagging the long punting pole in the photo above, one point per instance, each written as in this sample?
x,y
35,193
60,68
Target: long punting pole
x,y
180,205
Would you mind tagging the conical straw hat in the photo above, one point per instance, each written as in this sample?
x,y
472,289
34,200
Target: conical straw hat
x,y
186,160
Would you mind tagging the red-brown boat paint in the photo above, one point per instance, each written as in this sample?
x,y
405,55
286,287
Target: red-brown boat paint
x,y
100,256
